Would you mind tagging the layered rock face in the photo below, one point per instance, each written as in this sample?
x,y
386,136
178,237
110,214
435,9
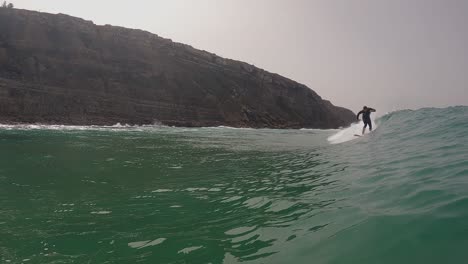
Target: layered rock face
x,y
64,70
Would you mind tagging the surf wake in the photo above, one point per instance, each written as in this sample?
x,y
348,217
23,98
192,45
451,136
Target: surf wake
x,y
349,133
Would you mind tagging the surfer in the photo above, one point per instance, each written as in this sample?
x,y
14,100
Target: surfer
x,y
366,111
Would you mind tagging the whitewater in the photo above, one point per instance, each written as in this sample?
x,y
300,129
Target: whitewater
x,y
156,194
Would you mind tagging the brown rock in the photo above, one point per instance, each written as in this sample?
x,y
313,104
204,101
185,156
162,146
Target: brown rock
x,y
61,69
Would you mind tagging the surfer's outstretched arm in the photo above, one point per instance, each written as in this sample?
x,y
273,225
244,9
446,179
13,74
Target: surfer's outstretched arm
x,y
372,109
358,115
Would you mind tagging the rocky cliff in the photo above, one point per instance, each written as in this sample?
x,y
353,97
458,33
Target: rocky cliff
x,y
62,69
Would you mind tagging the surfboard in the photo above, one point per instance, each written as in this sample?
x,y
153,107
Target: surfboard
x,y
356,135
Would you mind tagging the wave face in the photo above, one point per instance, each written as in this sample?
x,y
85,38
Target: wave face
x,y
219,195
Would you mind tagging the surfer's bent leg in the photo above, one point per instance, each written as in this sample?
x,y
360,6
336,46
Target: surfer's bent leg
x,y
364,128
370,125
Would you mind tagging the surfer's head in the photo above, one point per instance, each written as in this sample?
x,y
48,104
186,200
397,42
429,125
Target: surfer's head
x,y
365,108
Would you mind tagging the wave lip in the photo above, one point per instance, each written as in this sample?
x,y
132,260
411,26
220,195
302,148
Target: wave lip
x,y
404,124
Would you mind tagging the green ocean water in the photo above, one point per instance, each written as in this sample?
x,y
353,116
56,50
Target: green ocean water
x,y
223,195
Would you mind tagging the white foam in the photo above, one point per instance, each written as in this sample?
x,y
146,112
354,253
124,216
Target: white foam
x,y
348,134
147,243
101,212
188,250
116,127
237,128
162,190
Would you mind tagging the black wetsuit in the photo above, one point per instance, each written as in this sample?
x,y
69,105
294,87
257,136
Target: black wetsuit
x,y
366,117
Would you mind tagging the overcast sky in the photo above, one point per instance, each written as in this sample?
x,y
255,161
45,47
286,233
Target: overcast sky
x,y
388,54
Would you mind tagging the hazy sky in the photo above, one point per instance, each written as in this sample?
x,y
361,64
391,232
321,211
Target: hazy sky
x,y
388,54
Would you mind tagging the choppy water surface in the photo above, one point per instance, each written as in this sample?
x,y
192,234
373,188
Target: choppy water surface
x,y
221,195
